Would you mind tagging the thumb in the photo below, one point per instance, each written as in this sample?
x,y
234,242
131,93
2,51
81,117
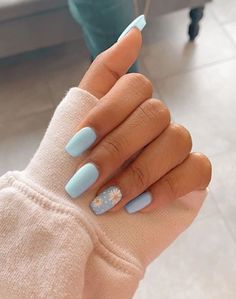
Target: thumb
x,y
111,64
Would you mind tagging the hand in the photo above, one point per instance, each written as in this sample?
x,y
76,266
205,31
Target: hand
x,y
138,239
130,132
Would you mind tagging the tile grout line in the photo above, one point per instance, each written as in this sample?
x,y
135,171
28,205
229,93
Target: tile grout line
x,y
43,78
198,68
222,25
221,153
156,88
195,69
207,64
229,36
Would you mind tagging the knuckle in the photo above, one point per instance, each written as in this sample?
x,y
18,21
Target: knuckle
x,y
157,110
113,147
204,167
101,61
140,81
153,110
144,114
182,135
99,58
138,175
171,183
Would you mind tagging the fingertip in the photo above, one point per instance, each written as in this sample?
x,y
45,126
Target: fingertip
x,y
139,22
133,42
134,36
111,64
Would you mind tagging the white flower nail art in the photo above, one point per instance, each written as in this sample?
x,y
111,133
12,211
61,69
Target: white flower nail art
x,y
97,201
106,200
115,195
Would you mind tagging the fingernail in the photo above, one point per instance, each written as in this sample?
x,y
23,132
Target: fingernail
x,y
139,202
139,22
106,200
81,141
82,180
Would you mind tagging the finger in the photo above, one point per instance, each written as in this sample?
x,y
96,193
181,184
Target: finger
x,y
111,64
163,154
124,97
157,158
140,128
193,174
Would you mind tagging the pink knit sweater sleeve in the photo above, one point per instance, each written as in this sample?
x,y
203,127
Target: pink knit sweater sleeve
x,y
55,247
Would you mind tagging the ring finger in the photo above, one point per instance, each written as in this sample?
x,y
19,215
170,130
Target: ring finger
x,y
158,158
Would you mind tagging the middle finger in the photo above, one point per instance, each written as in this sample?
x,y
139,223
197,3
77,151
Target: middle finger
x,y
140,128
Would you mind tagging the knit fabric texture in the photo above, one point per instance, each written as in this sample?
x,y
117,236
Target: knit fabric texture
x,y
54,247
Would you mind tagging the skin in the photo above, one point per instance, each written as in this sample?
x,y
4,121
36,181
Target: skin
x,y
135,133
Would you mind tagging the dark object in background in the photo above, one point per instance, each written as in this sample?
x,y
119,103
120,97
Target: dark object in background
x,y
102,22
196,15
29,24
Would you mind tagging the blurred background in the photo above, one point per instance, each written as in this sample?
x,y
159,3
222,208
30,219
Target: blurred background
x,y
45,48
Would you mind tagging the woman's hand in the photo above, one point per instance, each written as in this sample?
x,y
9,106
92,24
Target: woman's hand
x,y
131,132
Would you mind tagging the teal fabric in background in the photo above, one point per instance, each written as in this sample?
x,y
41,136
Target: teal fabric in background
x,y
102,22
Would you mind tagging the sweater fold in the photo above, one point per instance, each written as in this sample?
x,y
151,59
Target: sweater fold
x,y
52,246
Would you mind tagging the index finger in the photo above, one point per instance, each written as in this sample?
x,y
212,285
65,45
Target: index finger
x,y
111,64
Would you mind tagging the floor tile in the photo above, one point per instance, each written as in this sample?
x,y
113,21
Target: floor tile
x,y
197,265
143,70
204,101
22,90
64,67
208,208
223,187
231,30
224,10
141,292
166,49
20,139
197,82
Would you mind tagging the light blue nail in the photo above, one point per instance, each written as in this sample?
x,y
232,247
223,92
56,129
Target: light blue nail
x,y
82,180
139,202
81,141
139,22
106,200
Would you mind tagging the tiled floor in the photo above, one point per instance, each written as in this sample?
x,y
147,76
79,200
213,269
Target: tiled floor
x,y
198,83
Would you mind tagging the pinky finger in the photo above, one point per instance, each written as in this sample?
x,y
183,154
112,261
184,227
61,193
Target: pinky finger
x,y
193,174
